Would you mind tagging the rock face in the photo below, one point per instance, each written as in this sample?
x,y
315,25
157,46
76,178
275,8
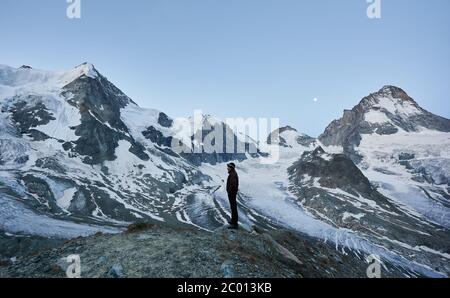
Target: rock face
x,y
99,103
28,117
333,171
191,253
164,120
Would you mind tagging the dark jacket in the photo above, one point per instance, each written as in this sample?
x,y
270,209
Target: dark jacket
x,y
233,182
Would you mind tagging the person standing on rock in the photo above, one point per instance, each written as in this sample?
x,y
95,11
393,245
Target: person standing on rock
x,y
232,190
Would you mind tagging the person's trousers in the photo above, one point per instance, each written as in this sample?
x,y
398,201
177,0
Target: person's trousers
x,y
233,206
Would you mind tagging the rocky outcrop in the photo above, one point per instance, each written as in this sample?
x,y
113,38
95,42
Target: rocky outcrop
x,y
159,251
164,120
332,171
27,117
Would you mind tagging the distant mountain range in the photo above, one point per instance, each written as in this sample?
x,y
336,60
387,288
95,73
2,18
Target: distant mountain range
x,y
78,156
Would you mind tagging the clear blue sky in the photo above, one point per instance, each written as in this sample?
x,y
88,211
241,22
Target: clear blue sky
x,y
247,58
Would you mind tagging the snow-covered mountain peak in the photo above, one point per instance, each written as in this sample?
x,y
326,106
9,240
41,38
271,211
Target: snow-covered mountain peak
x,y
289,137
14,77
204,120
85,69
389,100
393,92
26,76
386,112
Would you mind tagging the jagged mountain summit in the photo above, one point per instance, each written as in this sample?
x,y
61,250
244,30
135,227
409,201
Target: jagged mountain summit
x,y
386,112
78,156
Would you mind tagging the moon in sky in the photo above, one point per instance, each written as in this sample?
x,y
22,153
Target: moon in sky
x,y
316,99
